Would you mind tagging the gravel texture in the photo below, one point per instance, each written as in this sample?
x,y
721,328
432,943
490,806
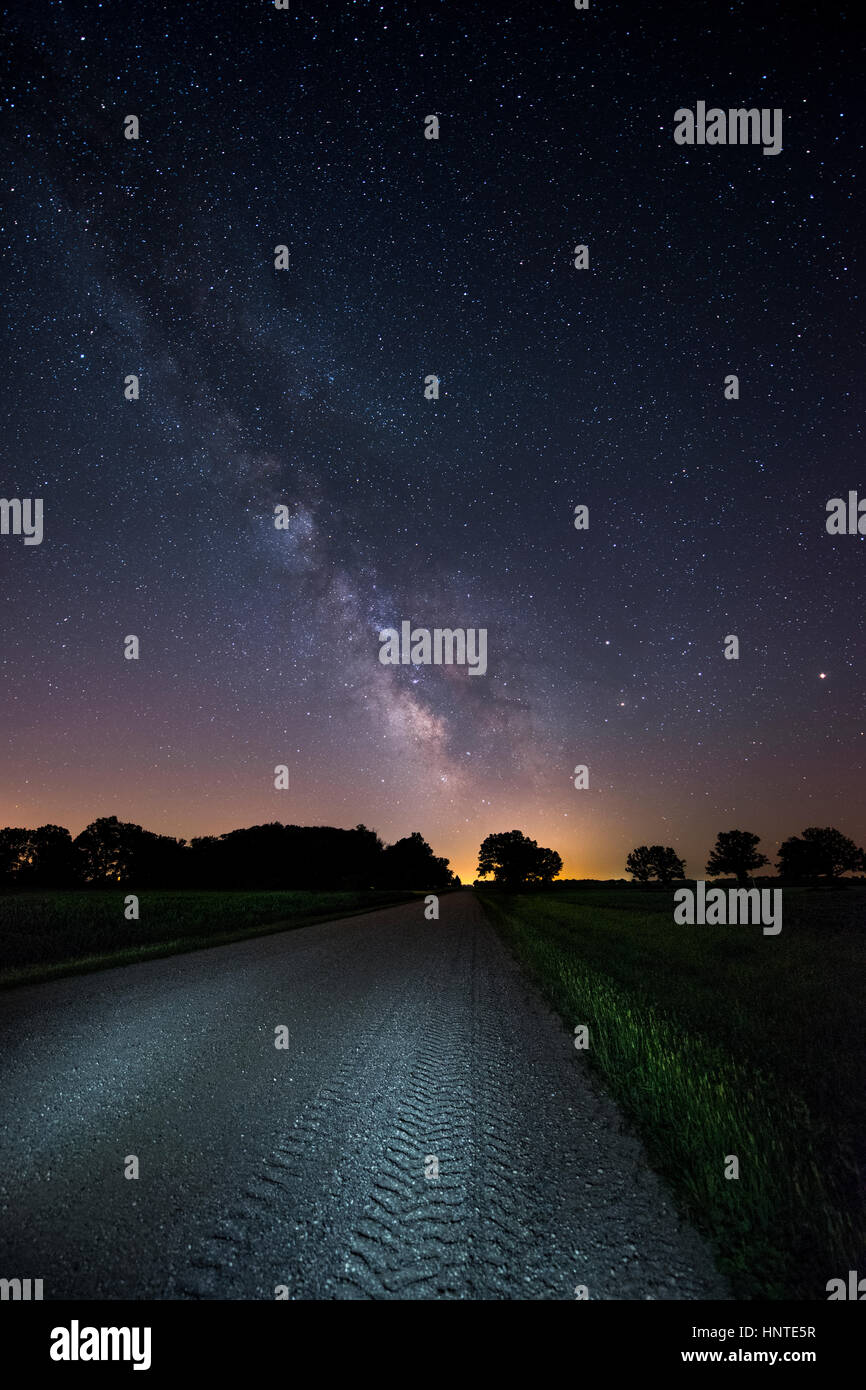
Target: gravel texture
x,y
305,1167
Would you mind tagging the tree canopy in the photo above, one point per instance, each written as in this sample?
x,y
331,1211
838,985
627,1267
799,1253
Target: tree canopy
x,y
820,852
735,852
516,861
114,853
655,861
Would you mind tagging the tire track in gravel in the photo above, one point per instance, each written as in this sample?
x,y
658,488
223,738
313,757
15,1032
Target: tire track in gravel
x,y
292,1201
540,1185
342,1195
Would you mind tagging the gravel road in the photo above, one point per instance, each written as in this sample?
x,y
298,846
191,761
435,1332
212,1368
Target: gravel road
x,y
305,1167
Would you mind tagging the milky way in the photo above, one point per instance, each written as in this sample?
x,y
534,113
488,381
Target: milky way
x,y
559,387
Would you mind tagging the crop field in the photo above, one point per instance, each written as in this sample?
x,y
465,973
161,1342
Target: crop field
x,y
51,933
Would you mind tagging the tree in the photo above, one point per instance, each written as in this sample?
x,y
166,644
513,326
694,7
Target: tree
x,y
639,864
655,861
281,857
667,864
821,852
14,853
119,852
411,863
114,853
516,861
54,860
40,858
105,849
548,864
735,853
795,861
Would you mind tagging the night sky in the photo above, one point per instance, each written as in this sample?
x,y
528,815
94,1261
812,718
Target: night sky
x,y
559,387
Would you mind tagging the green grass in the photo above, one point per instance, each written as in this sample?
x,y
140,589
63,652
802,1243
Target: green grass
x,y
717,1041
43,934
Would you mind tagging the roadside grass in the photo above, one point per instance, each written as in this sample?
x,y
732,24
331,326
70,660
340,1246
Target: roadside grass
x,y
46,934
720,1041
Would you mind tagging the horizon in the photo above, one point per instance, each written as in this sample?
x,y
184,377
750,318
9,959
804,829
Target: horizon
x,y
468,875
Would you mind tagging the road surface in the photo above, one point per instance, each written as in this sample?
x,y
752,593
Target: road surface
x,y
306,1170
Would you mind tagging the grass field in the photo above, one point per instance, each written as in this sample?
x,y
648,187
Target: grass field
x,y
43,934
720,1041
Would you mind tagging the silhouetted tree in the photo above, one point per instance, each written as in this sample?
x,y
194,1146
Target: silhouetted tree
x,y
39,858
639,864
358,856
160,861
655,861
105,849
288,856
667,864
795,860
735,853
114,853
110,851
821,852
547,865
206,867
516,861
411,863
12,842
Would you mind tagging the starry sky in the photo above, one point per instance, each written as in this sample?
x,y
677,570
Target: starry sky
x,y
559,387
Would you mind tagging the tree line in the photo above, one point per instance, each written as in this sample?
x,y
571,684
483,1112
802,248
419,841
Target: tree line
x,y
114,853
819,853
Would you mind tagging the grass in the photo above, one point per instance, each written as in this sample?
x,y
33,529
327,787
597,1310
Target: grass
x,y
45,934
719,1041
